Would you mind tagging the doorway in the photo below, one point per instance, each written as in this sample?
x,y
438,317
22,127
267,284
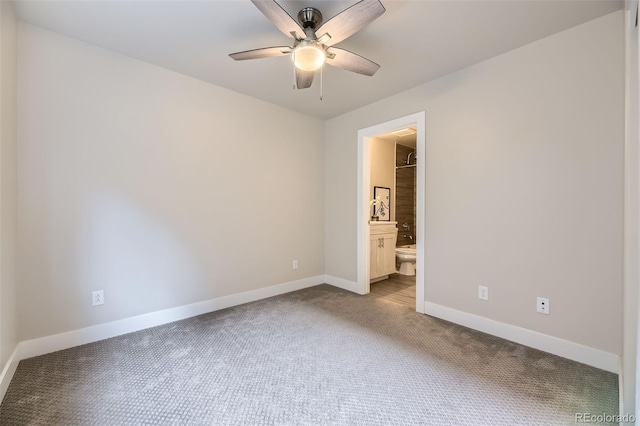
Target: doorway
x,y
364,184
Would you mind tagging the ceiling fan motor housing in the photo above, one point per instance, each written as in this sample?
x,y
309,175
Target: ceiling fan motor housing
x,y
310,17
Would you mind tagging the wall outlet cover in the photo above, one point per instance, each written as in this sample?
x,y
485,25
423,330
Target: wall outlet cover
x,y
542,305
97,298
483,292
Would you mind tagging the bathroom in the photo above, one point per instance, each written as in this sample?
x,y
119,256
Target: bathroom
x,y
393,175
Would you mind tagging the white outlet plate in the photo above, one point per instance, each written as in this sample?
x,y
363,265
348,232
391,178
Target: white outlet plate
x,y
97,298
483,292
542,305
295,264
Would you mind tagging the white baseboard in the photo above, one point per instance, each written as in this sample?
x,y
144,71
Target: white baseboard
x,y
7,372
343,284
30,348
69,339
553,345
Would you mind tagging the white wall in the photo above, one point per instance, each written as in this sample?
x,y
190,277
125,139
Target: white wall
x,y
8,183
383,168
524,184
157,188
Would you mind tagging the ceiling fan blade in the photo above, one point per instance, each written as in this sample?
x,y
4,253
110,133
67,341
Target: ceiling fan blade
x,y
351,20
280,18
265,52
304,78
351,62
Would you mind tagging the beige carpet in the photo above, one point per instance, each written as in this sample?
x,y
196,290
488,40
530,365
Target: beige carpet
x,y
316,356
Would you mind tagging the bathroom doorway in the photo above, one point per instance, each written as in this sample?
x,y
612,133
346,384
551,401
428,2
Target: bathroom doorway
x,y
410,226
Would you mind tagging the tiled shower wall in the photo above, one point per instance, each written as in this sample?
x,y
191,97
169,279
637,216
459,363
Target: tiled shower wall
x,y
405,196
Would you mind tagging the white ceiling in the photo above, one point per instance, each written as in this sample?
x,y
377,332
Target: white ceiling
x,y
414,41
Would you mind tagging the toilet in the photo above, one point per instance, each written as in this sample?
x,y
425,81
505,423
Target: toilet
x,y
406,256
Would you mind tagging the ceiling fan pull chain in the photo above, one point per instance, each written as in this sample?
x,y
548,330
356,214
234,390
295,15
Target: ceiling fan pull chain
x,y
321,83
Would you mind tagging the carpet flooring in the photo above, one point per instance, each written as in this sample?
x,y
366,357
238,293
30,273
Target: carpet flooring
x,y
315,356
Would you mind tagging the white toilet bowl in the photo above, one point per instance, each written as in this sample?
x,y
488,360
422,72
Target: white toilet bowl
x,y
406,256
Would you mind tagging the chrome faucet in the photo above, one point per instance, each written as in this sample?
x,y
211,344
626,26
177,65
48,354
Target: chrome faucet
x,y
409,157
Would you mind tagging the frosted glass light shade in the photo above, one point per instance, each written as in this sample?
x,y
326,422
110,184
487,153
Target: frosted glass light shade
x,y
308,58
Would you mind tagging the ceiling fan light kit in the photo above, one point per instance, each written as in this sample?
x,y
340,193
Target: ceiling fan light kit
x,y
310,52
308,57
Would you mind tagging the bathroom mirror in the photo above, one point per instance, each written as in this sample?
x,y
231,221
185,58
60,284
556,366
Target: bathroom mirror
x,y
382,209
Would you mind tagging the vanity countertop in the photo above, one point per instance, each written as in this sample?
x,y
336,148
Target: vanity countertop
x,y
381,222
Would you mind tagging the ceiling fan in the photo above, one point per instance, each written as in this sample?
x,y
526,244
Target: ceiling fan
x,y
314,40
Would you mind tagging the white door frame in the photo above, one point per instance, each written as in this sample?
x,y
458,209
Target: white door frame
x,y
364,183
629,377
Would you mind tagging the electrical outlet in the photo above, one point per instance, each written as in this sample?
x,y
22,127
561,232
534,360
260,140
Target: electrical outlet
x,y
295,264
543,306
483,292
97,298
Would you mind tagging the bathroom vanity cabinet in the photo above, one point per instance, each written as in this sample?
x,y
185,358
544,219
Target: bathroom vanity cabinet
x,y
382,249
